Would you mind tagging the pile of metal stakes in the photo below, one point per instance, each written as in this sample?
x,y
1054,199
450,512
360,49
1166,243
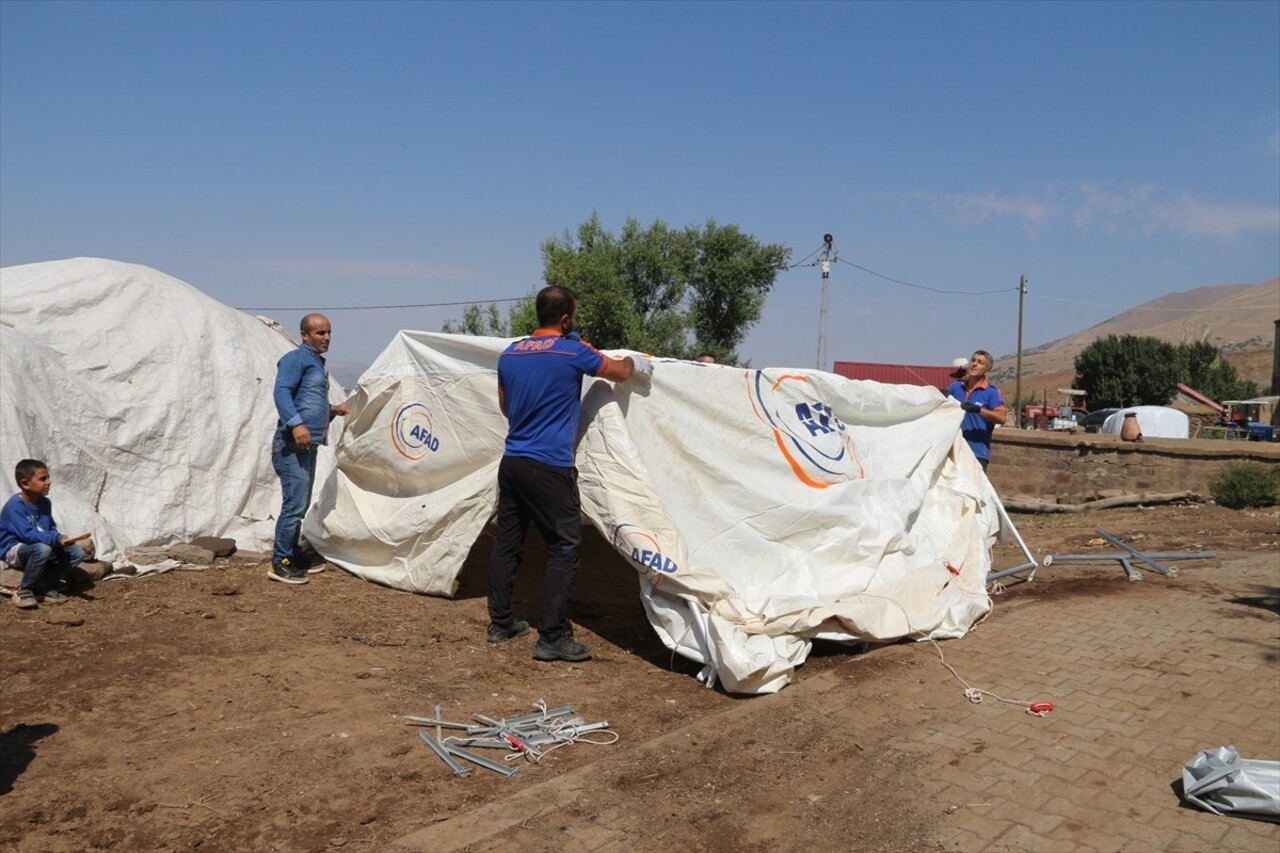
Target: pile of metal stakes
x,y
1131,556
530,736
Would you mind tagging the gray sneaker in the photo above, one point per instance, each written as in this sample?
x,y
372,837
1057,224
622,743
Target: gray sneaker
x,y
286,574
496,634
565,648
25,598
55,597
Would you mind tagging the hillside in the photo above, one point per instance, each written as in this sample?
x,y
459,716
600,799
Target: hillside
x,y
1237,318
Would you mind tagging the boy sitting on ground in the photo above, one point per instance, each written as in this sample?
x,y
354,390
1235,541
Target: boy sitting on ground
x,y
30,540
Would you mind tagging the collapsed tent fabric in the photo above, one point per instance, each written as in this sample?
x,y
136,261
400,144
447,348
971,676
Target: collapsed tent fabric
x,y
150,402
761,508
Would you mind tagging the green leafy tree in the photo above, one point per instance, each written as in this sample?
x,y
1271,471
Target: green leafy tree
x,y
731,277
1136,371
666,291
479,320
1202,368
1127,371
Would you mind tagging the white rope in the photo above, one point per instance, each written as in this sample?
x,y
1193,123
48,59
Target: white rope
x,y
975,694
565,735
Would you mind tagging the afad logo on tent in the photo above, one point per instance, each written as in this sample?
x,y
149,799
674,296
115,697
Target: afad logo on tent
x,y
812,440
644,551
413,433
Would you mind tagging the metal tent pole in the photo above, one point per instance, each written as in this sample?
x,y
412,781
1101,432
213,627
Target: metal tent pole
x,y
1031,560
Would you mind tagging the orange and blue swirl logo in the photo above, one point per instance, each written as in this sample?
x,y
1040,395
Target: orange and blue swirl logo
x,y
812,440
644,552
412,432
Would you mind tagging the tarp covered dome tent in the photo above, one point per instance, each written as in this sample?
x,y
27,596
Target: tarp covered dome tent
x,y
762,508
1154,421
150,402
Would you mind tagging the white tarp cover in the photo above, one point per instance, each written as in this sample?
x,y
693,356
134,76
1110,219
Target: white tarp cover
x,y
1218,780
761,508
1154,421
150,402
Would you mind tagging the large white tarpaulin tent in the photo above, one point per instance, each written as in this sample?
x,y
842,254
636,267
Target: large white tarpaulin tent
x,y
762,509
1153,421
150,402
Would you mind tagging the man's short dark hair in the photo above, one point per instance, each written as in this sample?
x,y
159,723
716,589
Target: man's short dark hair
x,y
26,469
991,362
554,302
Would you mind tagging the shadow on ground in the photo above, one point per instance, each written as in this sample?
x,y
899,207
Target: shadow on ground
x,y
18,750
1268,598
606,595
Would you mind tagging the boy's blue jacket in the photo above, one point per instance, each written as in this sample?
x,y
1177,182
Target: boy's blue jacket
x,y
24,524
302,393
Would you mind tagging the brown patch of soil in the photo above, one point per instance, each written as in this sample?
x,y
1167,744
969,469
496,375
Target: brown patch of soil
x,y
219,710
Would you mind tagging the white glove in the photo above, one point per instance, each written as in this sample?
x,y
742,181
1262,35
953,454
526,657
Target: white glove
x,y
641,365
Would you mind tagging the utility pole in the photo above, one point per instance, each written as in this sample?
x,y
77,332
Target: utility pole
x,y
825,262
1017,386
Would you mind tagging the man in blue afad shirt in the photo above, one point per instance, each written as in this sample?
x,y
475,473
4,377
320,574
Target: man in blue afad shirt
x,y
302,400
983,406
540,392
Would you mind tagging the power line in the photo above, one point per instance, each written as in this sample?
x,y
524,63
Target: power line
x,y
784,269
384,307
801,262
924,287
888,346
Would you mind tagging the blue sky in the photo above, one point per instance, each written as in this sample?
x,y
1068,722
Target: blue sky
x,y
296,155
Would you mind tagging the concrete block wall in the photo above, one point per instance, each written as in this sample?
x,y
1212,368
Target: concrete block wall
x,y
1073,468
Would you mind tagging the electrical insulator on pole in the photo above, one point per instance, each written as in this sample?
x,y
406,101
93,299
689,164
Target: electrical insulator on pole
x,y
824,262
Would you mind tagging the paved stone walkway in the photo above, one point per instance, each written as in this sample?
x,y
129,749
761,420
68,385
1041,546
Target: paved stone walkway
x,y
1143,676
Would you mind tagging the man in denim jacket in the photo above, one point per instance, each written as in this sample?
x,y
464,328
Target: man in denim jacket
x,y
302,399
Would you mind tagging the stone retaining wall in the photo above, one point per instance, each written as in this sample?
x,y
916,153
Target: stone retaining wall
x,y
1072,468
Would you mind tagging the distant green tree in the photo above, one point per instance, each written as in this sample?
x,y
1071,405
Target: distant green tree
x,y
479,320
670,292
1201,367
1127,371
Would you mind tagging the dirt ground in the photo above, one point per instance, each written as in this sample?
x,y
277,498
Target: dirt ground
x,y
216,710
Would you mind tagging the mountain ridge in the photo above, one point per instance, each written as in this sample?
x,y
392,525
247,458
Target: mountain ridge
x,y
1237,318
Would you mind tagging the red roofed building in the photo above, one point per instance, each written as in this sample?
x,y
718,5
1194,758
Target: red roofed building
x,y
1193,402
896,374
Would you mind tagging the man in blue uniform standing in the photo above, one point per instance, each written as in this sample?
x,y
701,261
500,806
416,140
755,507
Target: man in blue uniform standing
x,y
302,401
983,406
540,393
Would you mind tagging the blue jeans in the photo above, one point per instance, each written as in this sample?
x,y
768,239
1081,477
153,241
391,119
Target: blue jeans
x,y
44,565
297,472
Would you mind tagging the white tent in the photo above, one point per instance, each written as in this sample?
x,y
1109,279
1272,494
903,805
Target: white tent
x,y
1154,421
150,402
761,508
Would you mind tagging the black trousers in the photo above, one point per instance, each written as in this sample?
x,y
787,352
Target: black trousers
x,y
531,491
